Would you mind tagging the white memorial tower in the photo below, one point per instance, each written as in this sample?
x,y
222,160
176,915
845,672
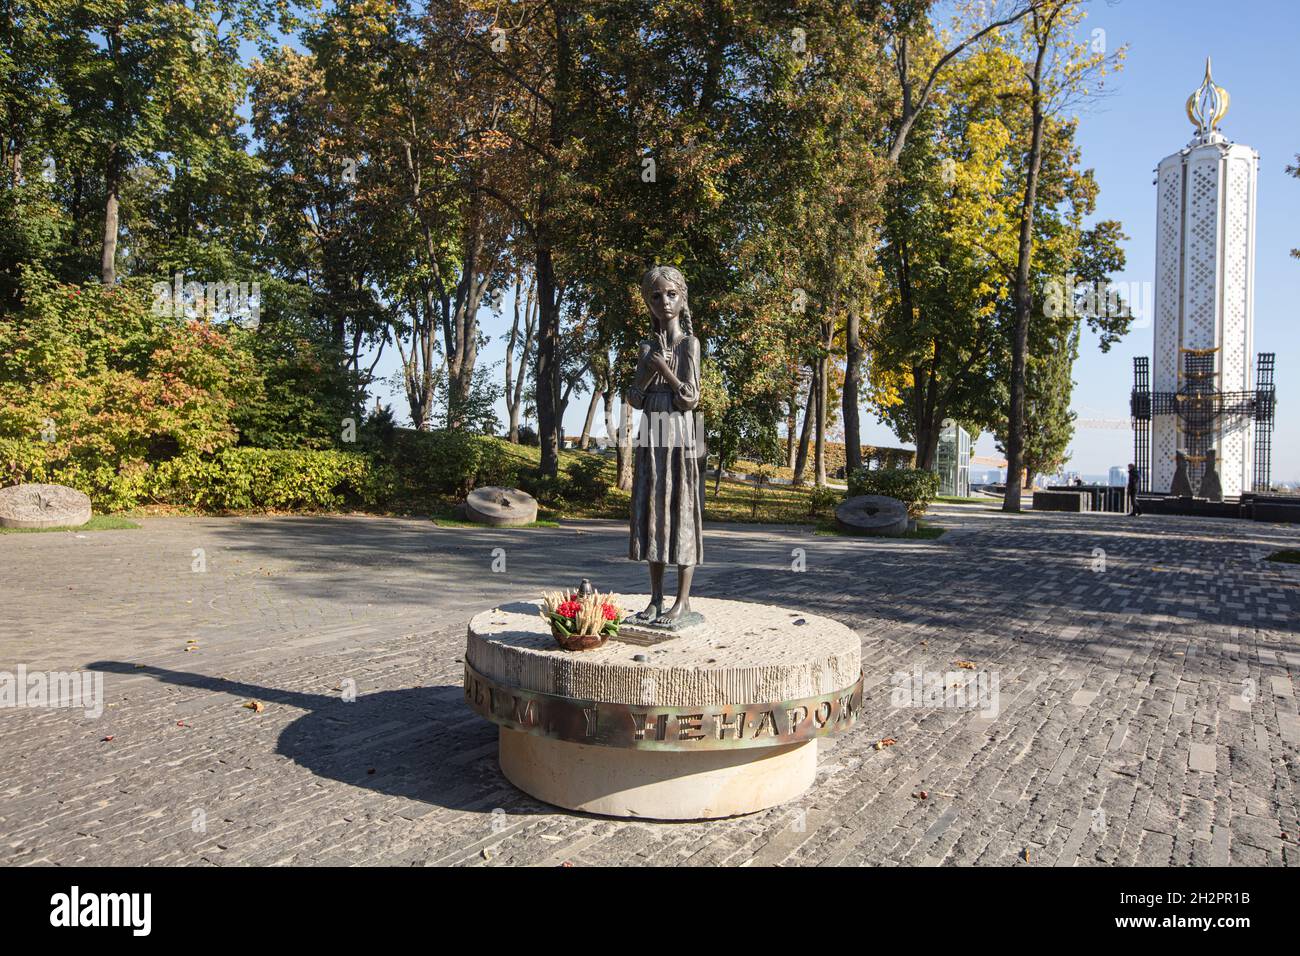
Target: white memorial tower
x,y
1202,397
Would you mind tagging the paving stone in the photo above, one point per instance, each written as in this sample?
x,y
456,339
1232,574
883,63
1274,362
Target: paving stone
x,y
1118,692
1201,757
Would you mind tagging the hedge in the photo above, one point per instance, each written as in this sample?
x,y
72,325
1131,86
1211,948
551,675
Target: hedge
x,y
915,487
411,468
234,479
241,479
449,462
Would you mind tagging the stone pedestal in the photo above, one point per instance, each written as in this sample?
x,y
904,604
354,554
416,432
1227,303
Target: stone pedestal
x,y
720,720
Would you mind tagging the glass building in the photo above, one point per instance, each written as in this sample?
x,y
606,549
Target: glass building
x,y
952,460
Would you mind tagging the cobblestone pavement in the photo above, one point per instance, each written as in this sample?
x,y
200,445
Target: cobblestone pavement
x,y
1146,711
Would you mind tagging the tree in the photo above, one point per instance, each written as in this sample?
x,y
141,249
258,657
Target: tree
x,y
520,342
1059,71
949,241
1049,423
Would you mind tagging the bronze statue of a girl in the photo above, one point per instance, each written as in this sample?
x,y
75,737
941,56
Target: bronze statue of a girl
x,y
667,491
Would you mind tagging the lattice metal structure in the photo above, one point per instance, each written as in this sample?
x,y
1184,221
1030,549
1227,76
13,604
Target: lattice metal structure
x,y
1140,409
1202,410
1265,406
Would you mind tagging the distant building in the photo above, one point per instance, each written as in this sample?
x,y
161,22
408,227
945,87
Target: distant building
x,y
1118,476
952,460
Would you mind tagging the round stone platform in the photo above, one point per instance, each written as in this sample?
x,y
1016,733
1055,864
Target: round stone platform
x,y
719,719
872,515
43,506
500,507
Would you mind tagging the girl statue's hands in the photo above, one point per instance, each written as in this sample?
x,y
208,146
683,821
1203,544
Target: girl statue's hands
x,y
661,345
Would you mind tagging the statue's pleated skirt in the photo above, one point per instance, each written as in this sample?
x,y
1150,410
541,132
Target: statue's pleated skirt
x,y
667,490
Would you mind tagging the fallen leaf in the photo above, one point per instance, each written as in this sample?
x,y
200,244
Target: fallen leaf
x,y
104,740
885,742
255,705
965,665
922,795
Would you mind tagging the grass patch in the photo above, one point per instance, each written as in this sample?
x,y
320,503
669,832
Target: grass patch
x,y
96,523
958,500
924,532
1286,557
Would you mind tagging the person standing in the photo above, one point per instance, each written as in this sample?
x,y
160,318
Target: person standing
x,y
1133,481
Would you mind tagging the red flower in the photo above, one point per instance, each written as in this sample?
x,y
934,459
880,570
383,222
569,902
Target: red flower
x,y
568,609
611,612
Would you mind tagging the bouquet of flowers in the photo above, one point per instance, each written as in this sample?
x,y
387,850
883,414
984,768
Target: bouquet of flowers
x,y
581,621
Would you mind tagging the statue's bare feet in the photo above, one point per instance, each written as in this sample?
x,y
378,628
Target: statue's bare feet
x,y
676,611
654,610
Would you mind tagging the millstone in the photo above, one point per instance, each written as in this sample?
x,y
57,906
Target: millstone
x,y
500,507
742,654
43,506
873,515
718,719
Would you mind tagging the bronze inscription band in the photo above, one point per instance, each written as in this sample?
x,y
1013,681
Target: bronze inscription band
x,y
642,727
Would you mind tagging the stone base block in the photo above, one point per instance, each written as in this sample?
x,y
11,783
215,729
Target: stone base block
x,y
656,785
1076,501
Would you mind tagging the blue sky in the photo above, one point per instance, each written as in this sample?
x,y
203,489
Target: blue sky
x,y
1253,46
1123,137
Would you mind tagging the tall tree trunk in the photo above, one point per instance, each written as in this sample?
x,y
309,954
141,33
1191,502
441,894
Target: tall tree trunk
x,y
625,451
548,321
112,183
611,432
515,379
791,423
1024,255
547,377
823,398
585,440
809,413
852,379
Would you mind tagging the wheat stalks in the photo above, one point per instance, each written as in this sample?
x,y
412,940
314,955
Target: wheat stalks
x,y
591,609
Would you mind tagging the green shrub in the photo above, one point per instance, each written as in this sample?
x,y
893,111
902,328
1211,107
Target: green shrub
x,y
450,463
914,487
94,387
547,489
823,500
587,482
240,479
21,460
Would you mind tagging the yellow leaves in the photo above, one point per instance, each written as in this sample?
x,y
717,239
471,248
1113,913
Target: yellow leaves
x,y
255,705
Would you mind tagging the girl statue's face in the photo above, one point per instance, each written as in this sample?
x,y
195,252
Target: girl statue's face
x,y
665,301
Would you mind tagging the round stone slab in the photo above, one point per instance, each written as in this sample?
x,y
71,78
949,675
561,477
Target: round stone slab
x,y
742,654
500,507
43,506
872,514
720,719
